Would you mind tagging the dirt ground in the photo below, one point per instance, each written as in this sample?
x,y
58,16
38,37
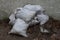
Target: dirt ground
x,y
34,32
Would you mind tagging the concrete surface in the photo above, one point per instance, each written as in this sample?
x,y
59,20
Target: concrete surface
x,y
52,6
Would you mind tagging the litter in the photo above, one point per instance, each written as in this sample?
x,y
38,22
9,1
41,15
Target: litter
x,y
20,27
25,16
12,19
42,18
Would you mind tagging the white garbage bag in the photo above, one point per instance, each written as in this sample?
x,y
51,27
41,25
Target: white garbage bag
x,y
25,14
42,18
20,27
33,7
28,11
12,19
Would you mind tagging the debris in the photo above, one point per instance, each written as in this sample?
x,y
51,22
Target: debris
x,y
44,30
34,7
25,14
12,19
20,27
30,15
33,22
42,18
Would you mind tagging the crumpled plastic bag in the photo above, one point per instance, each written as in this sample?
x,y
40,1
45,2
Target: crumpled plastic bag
x,y
33,7
42,18
34,21
25,14
20,27
12,19
28,12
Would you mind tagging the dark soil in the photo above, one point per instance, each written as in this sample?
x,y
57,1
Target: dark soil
x,y
34,31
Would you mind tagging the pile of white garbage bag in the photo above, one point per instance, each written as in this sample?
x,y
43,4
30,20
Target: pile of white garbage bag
x,y
25,16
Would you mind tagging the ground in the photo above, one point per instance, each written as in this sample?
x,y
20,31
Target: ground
x,y
34,33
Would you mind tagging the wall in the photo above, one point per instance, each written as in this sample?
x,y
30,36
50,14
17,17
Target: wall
x,y
52,6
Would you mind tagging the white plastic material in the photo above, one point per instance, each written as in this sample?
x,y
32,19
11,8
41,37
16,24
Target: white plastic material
x,y
12,19
43,30
20,27
25,14
33,22
28,11
33,7
17,10
43,18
